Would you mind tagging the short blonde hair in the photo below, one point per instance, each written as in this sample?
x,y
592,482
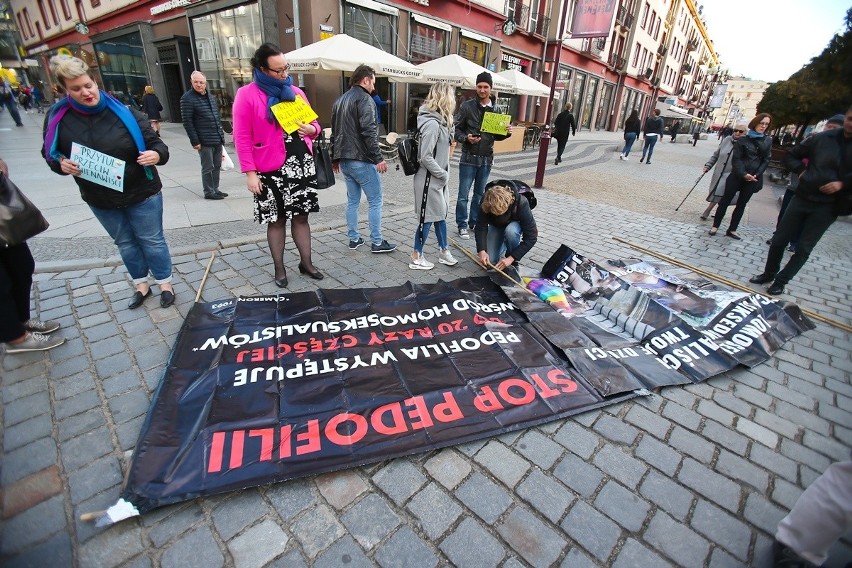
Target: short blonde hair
x,y
149,90
497,199
66,67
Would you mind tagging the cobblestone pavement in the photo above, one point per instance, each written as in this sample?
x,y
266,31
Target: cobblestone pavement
x,y
693,476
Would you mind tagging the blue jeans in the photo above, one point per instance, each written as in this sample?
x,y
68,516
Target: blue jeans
x,y
138,233
629,139
9,103
211,164
477,176
362,176
440,233
649,146
500,240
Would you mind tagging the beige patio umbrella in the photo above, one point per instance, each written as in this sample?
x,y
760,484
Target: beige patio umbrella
x,y
524,84
343,53
460,72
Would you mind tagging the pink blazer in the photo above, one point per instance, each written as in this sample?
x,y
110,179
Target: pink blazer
x,y
259,142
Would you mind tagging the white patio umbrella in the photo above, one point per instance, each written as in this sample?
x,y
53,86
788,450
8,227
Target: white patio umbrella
x,y
343,53
460,72
524,84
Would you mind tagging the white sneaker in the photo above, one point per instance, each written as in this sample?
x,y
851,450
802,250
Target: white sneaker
x,y
43,327
621,157
34,342
446,257
626,159
420,263
464,234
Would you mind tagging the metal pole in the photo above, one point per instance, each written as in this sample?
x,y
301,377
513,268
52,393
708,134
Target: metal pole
x,y
690,191
544,141
297,31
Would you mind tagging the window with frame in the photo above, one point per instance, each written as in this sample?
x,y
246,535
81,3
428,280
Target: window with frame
x,y
52,5
43,13
204,47
645,10
371,27
472,50
534,16
21,26
657,23
28,21
636,53
233,47
427,43
66,9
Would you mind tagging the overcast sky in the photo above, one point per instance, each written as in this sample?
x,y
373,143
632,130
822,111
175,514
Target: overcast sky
x,y
770,40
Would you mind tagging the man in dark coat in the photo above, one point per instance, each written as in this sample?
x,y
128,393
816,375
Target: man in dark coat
x,y
563,126
200,113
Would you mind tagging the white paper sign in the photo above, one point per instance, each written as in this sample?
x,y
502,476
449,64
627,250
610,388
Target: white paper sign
x,y
98,167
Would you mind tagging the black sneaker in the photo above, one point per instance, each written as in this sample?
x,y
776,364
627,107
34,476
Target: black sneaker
x,y
384,246
355,244
222,193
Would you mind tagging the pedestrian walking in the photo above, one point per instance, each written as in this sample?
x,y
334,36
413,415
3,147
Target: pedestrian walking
x,y
674,129
133,216
749,161
477,154
7,99
722,159
824,193
632,128
278,166
151,106
356,153
653,132
695,136
564,126
435,123
201,120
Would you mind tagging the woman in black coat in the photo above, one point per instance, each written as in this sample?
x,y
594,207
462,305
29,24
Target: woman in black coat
x,y
750,159
563,126
151,106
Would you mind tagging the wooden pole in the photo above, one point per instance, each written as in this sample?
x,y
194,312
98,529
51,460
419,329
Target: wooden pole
x,y
475,259
204,278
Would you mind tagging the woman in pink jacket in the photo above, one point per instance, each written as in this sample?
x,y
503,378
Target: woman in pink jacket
x,y
279,167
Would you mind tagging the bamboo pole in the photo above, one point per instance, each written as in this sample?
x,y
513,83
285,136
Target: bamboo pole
x,y
810,313
475,259
204,278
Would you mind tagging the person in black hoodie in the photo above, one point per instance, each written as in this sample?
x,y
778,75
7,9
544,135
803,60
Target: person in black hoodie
x,y
563,126
505,229
825,186
749,161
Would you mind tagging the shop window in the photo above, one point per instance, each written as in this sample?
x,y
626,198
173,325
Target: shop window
x,y
472,50
205,49
427,43
122,66
370,27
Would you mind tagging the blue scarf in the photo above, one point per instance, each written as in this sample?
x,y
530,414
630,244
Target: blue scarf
x,y
753,134
276,90
106,101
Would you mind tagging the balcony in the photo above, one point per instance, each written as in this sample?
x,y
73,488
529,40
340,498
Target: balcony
x,y
662,50
687,68
623,18
617,62
541,26
521,14
692,45
594,46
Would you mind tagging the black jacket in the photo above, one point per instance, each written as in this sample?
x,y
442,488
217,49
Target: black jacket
x,y
201,119
751,156
468,120
106,133
354,132
564,125
151,106
633,125
518,211
653,124
829,156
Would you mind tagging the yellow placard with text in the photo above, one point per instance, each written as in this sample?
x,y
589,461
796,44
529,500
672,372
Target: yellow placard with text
x,y
495,123
290,113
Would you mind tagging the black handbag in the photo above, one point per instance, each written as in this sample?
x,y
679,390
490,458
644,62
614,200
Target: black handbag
x,y
19,218
322,162
408,154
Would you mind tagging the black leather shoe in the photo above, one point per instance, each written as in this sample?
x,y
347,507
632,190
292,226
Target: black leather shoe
x,y
281,282
222,193
214,196
315,275
762,278
138,298
167,298
775,289
733,235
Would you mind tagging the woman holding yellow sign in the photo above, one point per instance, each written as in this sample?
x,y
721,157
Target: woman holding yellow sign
x,y
274,130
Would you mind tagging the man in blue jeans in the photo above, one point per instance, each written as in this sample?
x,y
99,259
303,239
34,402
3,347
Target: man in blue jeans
x,y
477,152
356,153
505,229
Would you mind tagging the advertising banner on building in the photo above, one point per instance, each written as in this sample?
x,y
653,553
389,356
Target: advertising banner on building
x,y
592,18
718,97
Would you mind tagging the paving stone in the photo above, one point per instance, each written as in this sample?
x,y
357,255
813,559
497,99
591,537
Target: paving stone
x,y
742,470
25,408
578,475
316,529
56,551
622,506
721,559
591,530
620,465
773,461
435,510
73,385
762,514
471,545
786,493
676,541
722,528
536,542
687,418
546,495
341,488
835,450
405,549
667,495
33,525
258,545
725,437
291,498
616,430
23,433
239,511
101,474
711,485
370,520
715,412
576,558
113,547
578,439
634,554
502,463
539,449
27,459
80,423
84,449
198,548
658,454
805,455
648,421
757,432
400,480
292,559
129,405
180,520
13,391
484,497
692,445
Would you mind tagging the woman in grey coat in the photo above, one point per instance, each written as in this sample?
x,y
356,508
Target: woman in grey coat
x,y
435,124
723,160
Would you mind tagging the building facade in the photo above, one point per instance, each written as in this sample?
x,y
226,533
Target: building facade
x,y
740,102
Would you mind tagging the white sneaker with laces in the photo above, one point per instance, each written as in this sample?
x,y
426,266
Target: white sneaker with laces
x,y
43,327
446,257
35,342
463,233
420,263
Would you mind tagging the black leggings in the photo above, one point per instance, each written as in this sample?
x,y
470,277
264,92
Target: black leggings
x,y
16,280
732,186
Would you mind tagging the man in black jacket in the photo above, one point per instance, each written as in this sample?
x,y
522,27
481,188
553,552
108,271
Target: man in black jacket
x,y
356,153
477,151
823,185
200,113
505,229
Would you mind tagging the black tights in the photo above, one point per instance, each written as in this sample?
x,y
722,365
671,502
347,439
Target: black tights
x,y
276,236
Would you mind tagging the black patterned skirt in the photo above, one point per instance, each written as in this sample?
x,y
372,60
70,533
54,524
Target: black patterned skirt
x,y
285,192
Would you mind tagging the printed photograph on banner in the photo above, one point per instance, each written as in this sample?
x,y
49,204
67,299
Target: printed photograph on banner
x,y
290,113
496,123
98,167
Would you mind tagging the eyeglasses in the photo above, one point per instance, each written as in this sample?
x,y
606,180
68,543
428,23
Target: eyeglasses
x,y
281,71
740,131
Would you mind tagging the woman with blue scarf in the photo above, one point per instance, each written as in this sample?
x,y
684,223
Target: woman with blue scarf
x,y
750,159
133,213
279,167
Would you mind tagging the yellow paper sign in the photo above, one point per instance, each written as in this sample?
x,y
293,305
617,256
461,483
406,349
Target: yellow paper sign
x,y
289,113
495,123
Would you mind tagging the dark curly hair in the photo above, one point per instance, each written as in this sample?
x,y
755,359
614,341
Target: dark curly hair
x,y
261,57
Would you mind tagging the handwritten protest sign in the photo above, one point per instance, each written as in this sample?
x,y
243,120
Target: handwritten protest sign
x,y
495,123
98,167
290,113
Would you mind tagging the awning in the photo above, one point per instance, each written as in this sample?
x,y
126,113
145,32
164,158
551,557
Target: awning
x,y
671,111
524,84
